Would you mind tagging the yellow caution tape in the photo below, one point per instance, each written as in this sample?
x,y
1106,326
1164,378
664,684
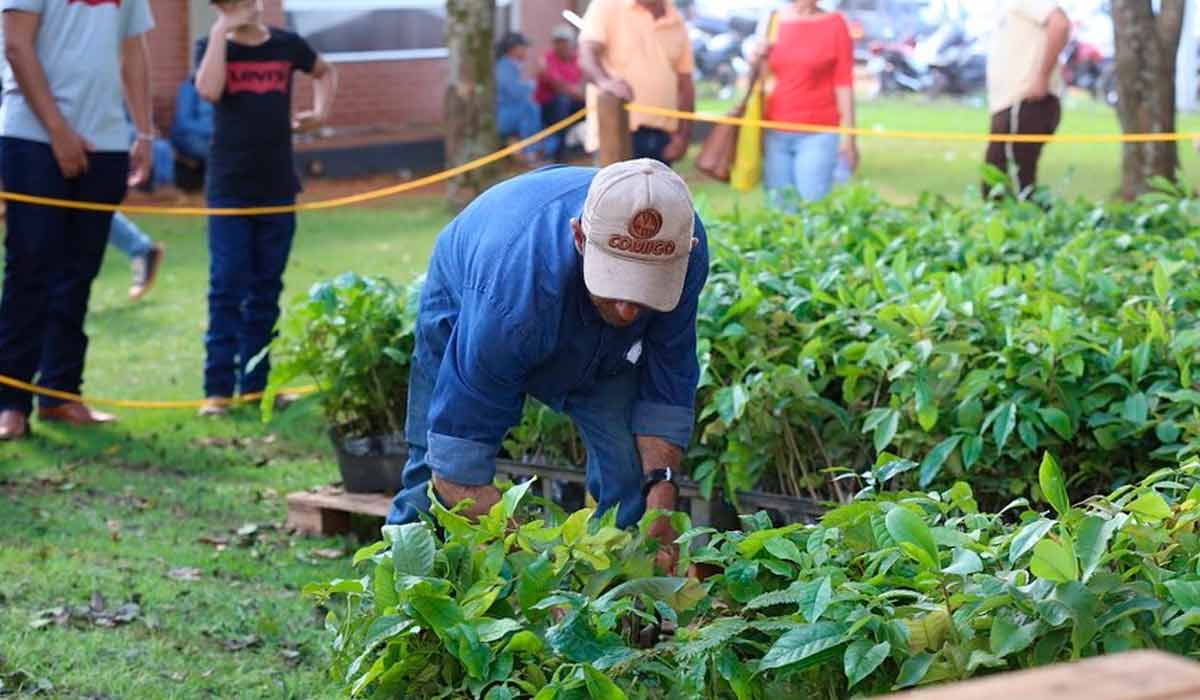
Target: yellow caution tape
x,y
305,206
912,135
129,403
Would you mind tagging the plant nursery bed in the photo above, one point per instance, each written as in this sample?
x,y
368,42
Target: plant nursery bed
x,y
1137,675
329,510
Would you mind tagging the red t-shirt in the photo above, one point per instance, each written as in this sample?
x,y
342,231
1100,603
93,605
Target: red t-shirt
x,y
810,58
557,69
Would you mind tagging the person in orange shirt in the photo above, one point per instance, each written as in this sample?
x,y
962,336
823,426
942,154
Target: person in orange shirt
x,y
639,51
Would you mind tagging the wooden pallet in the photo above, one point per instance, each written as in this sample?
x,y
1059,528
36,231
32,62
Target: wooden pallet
x,y
331,511
1137,675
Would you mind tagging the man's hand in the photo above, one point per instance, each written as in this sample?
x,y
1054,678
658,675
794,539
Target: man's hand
x,y
452,494
140,160
617,88
1039,90
662,497
678,145
305,122
71,151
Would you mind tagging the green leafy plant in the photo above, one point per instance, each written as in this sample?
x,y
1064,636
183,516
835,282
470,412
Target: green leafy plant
x,y
353,337
893,590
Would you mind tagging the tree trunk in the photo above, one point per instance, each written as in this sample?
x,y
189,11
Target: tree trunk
x,y
1146,50
470,95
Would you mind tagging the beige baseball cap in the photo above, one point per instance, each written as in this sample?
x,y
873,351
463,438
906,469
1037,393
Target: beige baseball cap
x,y
638,221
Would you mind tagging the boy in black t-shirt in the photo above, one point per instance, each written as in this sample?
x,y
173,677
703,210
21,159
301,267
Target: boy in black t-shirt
x,y
245,70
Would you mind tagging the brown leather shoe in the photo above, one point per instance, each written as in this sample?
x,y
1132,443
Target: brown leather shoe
x,y
74,414
14,425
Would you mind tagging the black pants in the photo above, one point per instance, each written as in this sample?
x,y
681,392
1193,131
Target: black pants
x,y
651,143
51,257
1033,117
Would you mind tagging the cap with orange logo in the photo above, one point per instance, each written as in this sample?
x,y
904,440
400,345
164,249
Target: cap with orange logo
x,y
639,221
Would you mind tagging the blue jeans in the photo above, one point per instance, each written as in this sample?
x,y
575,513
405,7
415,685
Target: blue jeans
x,y
650,143
247,258
51,258
191,144
554,111
126,237
521,120
799,163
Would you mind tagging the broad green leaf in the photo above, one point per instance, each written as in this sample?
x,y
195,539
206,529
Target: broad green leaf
x,y
499,692
1027,538
1136,409
1053,562
535,582
1054,485
913,670
885,432
1005,423
490,630
1150,506
413,548
741,580
1058,421
383,585
1094,535
369,551
972,449
964,563
600,686
931,466
1185,594
731,403
862,658
1008,638
817,597
1162,282
803,643
906,526
785,549
512,498
524,642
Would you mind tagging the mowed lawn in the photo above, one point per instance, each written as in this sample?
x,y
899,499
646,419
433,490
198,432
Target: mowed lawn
x,y
180,516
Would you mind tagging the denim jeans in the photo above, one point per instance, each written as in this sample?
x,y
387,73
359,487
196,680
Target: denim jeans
x,y
603,416
798,163
554,111
126,237
51,258
247,258
650,143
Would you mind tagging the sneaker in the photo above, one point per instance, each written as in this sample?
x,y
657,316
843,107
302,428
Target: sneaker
x,y
214,407
145,270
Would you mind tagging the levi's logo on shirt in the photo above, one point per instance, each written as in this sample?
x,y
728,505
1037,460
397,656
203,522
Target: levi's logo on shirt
x,y
95,3
258,77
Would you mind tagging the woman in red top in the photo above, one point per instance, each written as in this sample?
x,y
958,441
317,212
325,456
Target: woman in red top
x,y
811,65
559,86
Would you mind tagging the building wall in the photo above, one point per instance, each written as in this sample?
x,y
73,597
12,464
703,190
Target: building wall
x,y
371,93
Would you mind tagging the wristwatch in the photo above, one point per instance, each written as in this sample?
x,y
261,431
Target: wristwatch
x,y
657,477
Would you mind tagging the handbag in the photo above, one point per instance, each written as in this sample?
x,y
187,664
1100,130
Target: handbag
x,y
719,150
747,168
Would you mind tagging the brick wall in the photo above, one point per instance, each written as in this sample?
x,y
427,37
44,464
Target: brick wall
x,y
371,93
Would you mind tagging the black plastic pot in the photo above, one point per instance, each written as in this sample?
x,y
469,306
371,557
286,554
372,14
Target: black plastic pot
x,y
371,464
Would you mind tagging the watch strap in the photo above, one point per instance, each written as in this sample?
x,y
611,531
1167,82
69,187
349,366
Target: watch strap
x,y
658,476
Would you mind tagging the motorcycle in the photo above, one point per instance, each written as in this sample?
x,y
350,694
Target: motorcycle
x,y
1084,65
893,67
954,61
717,48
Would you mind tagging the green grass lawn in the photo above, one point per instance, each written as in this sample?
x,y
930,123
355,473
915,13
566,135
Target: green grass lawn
x,y
136,513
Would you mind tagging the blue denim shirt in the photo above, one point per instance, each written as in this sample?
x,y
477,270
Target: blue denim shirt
x,y
193,114
513,94
506,282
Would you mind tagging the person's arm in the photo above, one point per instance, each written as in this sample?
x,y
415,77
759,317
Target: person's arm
x,y
20,48
210,76
325,83
135,75
1058,32
664,412
592,38
844,90
477,398
682,137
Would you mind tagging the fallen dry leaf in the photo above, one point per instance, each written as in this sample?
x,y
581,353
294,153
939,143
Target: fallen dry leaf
x,y
114,529
329,553
185,573
240,643
217,541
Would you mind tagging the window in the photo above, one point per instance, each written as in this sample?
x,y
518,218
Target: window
x,y
379,30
